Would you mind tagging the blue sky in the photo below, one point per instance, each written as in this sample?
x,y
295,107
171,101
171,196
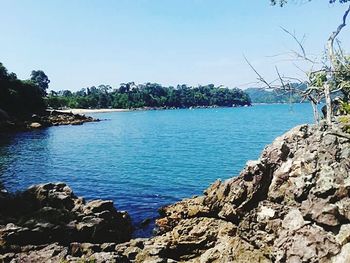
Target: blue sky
x,y
82,43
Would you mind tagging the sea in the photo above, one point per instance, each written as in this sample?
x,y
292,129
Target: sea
x,y
143,160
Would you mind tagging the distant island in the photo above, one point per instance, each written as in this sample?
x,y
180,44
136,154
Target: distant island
x,y
261,95
149,95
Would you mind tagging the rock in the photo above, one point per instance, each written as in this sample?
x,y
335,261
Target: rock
x,y
50,253
265,213
49,213
321,211
343,236
186,241
35,125
108,247
343,256
344,207
98,206
59,118
293,221
45,119
308,244
87,249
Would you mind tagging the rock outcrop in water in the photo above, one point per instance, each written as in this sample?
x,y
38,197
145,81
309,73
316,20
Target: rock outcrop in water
x,y
46,119
291,205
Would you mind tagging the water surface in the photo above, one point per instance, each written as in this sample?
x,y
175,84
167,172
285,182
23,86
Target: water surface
x,y
145,159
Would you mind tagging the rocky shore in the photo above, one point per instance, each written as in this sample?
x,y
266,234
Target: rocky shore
x,y
49,223
290,205
46,119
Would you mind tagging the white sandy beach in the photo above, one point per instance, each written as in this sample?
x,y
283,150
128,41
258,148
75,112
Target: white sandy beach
x,y
87,111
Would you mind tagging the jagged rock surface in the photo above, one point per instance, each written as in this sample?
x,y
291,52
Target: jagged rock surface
x,y
52,214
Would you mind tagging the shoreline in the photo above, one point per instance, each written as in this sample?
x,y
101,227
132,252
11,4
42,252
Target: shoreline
x,y
44,120
105,110
87,111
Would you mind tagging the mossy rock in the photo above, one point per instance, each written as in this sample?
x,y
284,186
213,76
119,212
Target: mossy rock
x,y
344,119
345,123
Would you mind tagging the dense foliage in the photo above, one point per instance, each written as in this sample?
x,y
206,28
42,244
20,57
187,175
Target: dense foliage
x,y
130,95
19,97
39,78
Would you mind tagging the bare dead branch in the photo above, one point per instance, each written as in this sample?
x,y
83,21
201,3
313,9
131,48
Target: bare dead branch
x,y
296,79
280,78
296,39
333,36
295,65
303,55
257,73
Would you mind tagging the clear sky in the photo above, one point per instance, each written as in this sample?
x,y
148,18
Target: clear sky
x,y
80,43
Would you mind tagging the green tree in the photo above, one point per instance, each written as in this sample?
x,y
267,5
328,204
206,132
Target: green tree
x,y
19,98
39,78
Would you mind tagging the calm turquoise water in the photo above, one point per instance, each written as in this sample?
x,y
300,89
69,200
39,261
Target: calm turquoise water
x,y
143,160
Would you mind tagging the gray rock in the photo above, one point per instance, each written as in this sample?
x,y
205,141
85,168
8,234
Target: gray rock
x,y
35,125
51,213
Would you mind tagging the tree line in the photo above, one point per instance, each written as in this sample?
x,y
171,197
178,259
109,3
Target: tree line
x,y
21,98
131,95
